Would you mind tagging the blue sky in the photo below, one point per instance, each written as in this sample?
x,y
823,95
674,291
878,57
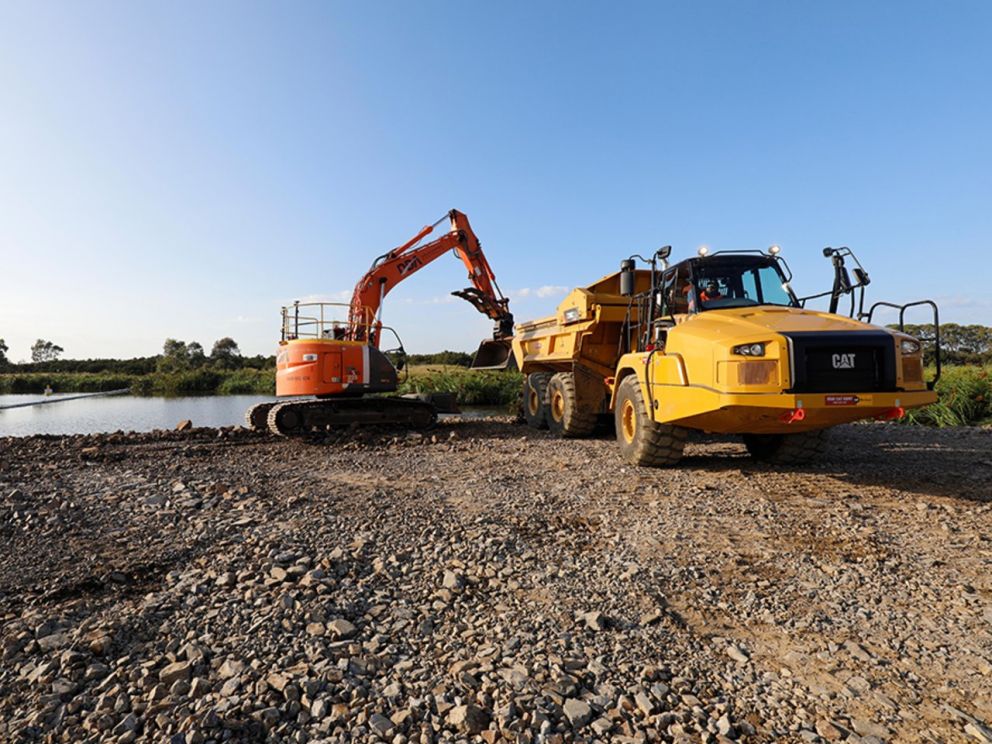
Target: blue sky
x,y
183,169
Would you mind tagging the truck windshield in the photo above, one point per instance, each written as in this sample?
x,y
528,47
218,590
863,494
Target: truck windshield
x,y
739,281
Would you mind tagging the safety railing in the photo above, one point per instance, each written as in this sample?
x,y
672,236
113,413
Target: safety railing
x,y
902,326
324,320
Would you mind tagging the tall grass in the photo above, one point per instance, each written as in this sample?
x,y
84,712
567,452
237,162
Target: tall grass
x,y
192,382
64,382
488,388
964,399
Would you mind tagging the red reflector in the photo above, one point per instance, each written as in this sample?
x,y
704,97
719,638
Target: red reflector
x,y
892,414
791,417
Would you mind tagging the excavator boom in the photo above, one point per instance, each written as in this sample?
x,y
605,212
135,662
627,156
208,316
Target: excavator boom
x,y
402,262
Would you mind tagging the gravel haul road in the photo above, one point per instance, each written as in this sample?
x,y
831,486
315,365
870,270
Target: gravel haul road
x,y
487,582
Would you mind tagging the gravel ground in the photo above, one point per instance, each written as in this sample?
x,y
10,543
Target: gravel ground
x,y
488,582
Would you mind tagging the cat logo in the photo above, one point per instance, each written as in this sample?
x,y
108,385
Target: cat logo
x,y
843,361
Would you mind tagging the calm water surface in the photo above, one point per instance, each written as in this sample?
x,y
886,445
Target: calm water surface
x,y
119,412
134,413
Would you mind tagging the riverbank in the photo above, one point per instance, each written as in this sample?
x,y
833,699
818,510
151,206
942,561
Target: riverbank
x,y
486,581
471,388
965,391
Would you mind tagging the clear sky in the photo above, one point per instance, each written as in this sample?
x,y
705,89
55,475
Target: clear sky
x,y
184,168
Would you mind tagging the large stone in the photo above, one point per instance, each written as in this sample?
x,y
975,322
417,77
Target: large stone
x,y
231,668
737,654
469,719
180,670
866,727
578,712
341,628
380,724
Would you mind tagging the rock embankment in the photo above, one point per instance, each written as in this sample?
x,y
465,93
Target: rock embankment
x,y
490,583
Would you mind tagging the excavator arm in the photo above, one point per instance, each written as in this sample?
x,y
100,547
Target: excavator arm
x,y
390,269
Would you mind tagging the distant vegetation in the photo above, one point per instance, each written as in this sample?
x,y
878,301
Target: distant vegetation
x,y
965,398
485,388
959,344
185,369
452,358
181,369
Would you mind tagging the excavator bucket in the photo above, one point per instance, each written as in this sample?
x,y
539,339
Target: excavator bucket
x,y
494,355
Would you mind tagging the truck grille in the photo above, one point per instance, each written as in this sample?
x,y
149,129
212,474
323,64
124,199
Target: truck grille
x,y
847,362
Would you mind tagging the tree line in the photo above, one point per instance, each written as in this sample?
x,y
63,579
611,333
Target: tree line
x,y
176,356
959,344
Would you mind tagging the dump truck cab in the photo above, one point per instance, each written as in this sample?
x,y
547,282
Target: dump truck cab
x,y
721,343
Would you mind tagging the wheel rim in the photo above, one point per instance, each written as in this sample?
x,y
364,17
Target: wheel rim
x,y
533,402
628,421
557,406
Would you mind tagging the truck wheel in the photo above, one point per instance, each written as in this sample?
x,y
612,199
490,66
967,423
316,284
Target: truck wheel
x,y
566,417
642,441
786,449
536,399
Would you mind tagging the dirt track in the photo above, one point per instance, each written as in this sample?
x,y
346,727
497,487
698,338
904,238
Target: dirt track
x,y
494,583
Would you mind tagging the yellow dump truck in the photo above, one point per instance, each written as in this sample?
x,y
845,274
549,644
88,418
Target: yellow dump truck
x,y
718,343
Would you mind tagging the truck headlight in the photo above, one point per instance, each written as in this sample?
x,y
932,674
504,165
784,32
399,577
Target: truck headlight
x,y
909,346
751,350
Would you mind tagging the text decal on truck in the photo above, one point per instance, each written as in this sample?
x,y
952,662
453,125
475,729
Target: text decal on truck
x,y
843,361
841,400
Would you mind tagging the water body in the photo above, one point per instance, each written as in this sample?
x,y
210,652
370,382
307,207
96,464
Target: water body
x,y
119,413
132,413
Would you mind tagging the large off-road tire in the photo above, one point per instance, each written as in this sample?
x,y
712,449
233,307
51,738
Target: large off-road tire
x,y
642,441
536,399
787,449
566,416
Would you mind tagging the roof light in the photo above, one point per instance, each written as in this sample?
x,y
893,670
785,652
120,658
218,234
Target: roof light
x,y
774,250
703,250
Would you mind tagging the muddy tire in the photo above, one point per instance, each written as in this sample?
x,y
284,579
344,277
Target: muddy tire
x,y
536,399
641,440
566,417
787,449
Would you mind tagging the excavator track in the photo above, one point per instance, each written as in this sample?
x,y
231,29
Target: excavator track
x,y
257,417
302,417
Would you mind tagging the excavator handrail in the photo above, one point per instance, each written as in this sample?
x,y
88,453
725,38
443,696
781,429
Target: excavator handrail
x,y
320,324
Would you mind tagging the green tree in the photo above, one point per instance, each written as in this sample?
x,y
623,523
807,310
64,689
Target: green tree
x,y
45,351
3,353
175,356
194,351
225,353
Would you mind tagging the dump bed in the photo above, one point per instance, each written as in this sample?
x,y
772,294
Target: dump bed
x,y
586,329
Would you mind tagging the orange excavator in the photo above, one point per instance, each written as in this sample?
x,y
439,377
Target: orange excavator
x,y
336,361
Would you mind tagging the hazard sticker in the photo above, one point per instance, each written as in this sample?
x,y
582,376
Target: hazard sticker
x,y
841,400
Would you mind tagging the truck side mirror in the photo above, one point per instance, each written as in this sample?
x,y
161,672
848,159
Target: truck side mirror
x,y
862,277
627,277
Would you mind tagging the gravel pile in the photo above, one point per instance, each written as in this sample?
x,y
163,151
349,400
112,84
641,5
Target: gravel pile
x,y
486,582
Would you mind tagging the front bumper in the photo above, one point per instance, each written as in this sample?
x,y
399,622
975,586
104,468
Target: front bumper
x,y
774,413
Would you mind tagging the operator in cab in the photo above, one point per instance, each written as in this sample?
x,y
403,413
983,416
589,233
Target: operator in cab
x,y
711,292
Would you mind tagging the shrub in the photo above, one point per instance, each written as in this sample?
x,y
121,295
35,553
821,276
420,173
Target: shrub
x,y
489,388
965,398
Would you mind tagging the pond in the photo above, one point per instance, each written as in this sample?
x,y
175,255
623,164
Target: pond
x,y
72,415
118,412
